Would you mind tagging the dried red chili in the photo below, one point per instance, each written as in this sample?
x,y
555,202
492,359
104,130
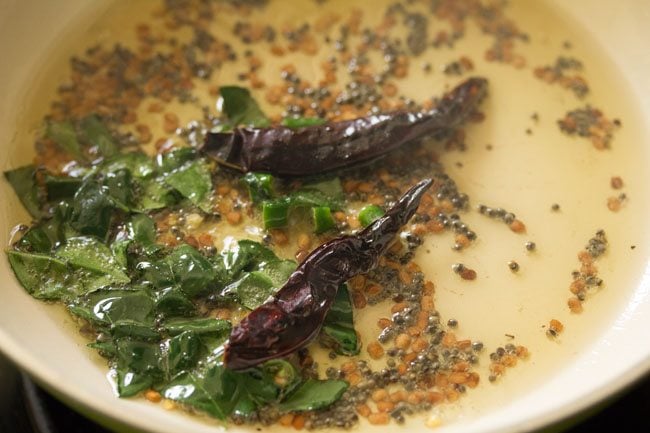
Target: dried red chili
x,y
310,150
294,316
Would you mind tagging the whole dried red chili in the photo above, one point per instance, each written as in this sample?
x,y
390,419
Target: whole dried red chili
x,y
316,149
294,316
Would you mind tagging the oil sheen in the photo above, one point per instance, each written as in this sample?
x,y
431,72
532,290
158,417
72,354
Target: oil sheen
x,y
503,166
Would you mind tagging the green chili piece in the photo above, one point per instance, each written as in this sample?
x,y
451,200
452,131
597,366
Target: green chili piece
x,y
275,214
301,122
369,214
323,220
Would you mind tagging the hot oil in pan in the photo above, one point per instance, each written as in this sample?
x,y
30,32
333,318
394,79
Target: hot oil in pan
x,y
517,159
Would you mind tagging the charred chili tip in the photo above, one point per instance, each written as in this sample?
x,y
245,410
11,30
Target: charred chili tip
x,y
294,316
316,149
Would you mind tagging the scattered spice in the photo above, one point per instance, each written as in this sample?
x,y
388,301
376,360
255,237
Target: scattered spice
x,y
590,123
616,182
586,280
555,327
560,73
614,203
505,357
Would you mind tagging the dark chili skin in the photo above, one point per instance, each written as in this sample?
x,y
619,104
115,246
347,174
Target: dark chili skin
x,y
311,150
294,316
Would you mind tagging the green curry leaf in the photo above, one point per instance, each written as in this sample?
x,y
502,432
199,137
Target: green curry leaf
x,y
23,181
240,108
314,394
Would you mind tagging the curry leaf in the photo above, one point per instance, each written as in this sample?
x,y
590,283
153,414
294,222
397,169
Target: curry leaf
x,y
87,252
186,267
240,107
42,276
141,229
97,134
92,210
170,161
200,326
172,301
251,290
48,233
314,394
154,194
256,273
214,390
139,164
119,186
23,181
183,351
64,135
338,330
61,187
194,182
109,306
260,186
138,365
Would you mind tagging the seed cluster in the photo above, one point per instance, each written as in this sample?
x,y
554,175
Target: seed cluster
x,y
559,73
504,357
590,123
508,218
458,67
586,279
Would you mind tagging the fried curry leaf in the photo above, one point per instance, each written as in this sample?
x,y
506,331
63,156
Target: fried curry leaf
x,y
260,186
88,253
183,351
240,107
185,267
338,328
314,394
200,326
65,136
92,210
155,194
193,181
48,233
119,185
139,164
51,278
61,187
220,392
214,391
23,181
172,301
256,273
108,306
43,277
98,135
255,287
142,229
138,365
